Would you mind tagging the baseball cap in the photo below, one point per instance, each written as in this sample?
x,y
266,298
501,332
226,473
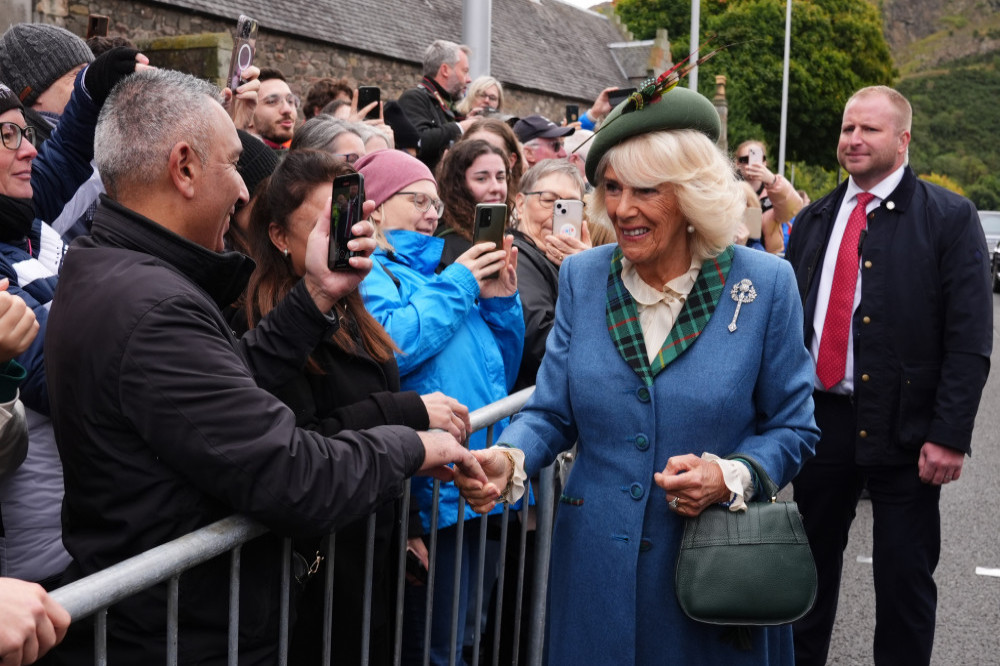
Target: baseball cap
x,y
533,127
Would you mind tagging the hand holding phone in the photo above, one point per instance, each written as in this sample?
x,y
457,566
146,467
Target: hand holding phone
x,y
345,212
367,95
489,226
244,48
572,113
616,97
567,217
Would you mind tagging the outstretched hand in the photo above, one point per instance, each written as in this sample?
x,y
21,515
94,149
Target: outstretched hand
x,y
482,494
441,450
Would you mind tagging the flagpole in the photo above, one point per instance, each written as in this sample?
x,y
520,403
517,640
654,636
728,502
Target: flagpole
x,y
695,21
784,88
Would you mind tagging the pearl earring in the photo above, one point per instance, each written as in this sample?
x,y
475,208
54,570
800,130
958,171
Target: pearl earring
x,y
285,252
690,229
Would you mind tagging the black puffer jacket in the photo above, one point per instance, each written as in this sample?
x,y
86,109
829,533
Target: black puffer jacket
x,y
163,429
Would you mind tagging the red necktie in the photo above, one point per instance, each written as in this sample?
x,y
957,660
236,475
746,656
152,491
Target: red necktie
x,y
832,359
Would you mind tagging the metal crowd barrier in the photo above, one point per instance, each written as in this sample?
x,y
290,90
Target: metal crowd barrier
x,y
94,594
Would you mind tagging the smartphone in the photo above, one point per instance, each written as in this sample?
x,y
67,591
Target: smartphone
x,y
756,155
367,95
753,218
616,97
345,212
97,26
416,568
243,51
490,224
572,113
567,217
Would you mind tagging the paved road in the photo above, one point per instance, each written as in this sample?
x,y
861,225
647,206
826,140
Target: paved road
x,y
968,618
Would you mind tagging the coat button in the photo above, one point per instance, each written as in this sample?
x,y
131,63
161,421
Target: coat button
x,y
641,442
863,434
643,394
868,264
636,491
866,319
865,378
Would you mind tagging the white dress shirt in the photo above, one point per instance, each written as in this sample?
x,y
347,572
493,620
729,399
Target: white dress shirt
x,y
880,192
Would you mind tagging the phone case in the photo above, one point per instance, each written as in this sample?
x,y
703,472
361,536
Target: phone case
x,y
367,95
345,212
243,51
490,224
567,217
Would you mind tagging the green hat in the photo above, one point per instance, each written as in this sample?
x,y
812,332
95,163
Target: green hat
x,y
679,108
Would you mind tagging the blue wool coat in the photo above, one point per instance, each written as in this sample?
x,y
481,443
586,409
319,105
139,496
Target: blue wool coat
x,y
611,591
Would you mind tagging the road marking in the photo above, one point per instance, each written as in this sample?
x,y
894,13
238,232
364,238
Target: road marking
x,y
865,559
983,571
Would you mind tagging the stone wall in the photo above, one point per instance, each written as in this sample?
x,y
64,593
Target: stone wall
x,y
301,61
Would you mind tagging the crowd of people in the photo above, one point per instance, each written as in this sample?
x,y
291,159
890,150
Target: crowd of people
x,y
176,346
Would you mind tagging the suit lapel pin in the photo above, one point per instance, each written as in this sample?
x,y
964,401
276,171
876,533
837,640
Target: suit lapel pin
x,y
742,292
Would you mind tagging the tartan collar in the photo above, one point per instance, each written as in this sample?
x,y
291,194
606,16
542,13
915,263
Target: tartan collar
x,y
623,315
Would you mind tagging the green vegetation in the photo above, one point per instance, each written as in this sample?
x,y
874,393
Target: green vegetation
x,y
837,47
956,122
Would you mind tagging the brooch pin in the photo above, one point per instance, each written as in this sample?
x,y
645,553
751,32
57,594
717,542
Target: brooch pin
x,y
742,292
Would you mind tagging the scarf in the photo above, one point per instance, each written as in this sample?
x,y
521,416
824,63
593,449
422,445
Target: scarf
x,y
16,217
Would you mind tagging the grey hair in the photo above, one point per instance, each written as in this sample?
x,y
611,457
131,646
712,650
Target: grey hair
x,y
547,168
442,52
144,117
320,131
366,132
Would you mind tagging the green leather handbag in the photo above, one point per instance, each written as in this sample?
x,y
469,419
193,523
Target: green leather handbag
x,y
746,568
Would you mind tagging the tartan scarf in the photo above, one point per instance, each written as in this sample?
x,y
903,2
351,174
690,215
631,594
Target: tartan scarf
x,y
623,315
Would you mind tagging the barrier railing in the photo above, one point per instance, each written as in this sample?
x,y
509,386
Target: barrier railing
x,y
93,595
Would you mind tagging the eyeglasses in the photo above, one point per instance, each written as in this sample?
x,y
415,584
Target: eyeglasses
x,y
276,100
12,133
488,97
423,202
350,158
547,199
745,159
555,144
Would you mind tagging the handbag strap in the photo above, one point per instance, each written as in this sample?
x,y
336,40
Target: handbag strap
x,y
769,487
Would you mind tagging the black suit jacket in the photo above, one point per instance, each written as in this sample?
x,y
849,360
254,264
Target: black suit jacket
x,y
923,331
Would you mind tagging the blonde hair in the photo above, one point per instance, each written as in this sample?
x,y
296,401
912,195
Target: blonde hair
x,y
707,190
479,84
899,104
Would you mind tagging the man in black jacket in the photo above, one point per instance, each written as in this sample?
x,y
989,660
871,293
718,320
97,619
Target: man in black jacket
x,y
161,414
894,278
430,106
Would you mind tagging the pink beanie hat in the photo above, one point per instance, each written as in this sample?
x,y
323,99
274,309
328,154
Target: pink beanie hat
x,y
389,171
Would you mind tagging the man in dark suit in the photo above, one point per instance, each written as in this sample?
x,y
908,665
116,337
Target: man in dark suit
x,y
894,278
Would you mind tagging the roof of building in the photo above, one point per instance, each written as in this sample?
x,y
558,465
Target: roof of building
x,y
543,45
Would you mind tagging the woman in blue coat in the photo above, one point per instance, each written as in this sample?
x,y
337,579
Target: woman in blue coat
x,y
668,347
460,333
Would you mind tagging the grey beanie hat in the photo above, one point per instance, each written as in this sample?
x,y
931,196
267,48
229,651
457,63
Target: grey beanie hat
x,y
34,55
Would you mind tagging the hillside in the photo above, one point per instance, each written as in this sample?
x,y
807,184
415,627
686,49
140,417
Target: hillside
x,y
926,34
948,56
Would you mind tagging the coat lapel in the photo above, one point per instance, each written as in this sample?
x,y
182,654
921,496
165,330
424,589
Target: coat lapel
x,y
623,315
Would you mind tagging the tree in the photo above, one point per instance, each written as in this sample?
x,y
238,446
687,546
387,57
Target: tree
x,y
837,47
